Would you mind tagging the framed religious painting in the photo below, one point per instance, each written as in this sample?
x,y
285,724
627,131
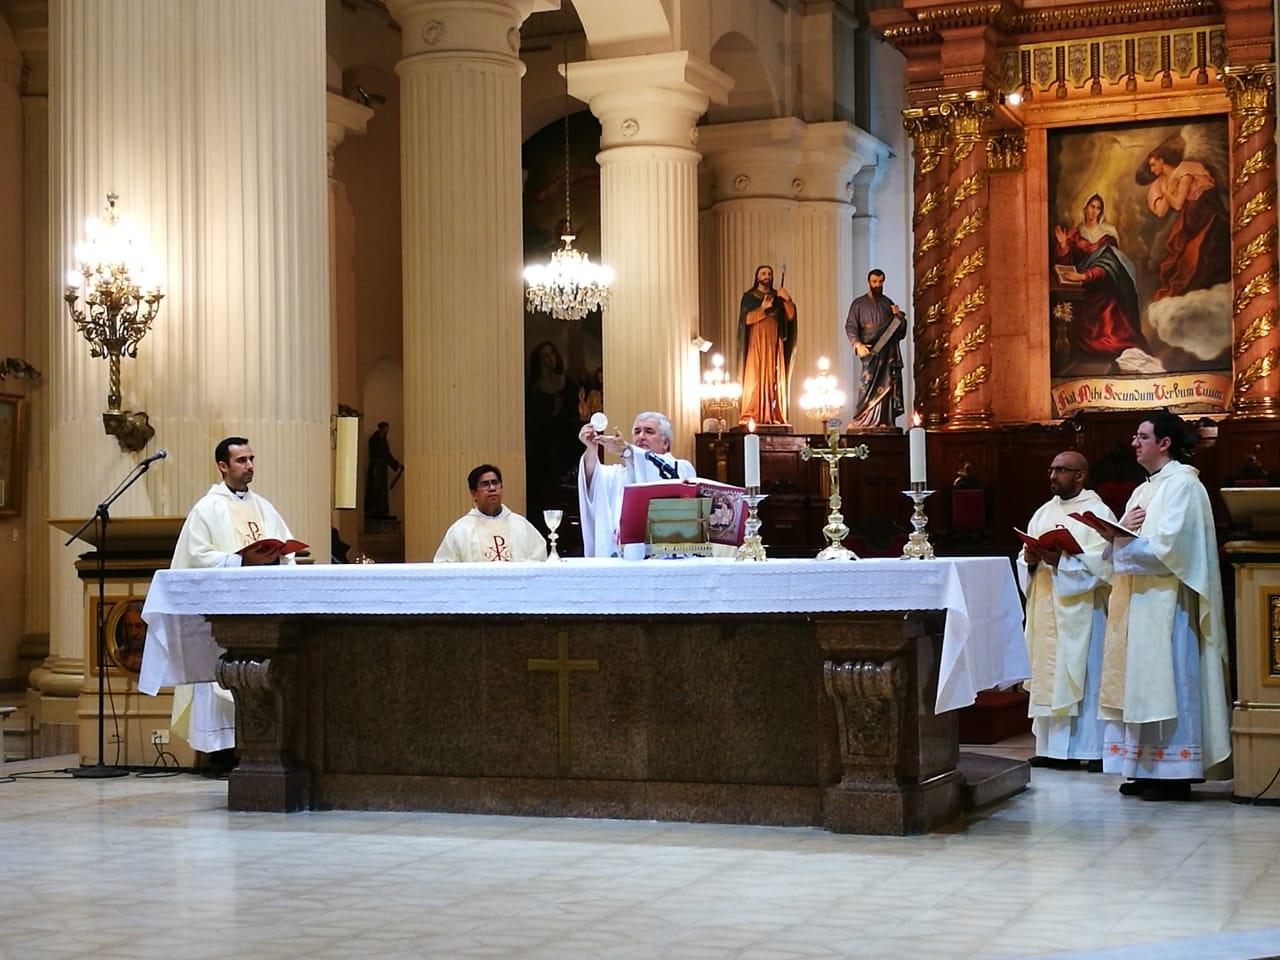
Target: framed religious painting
x,y
13,434
1139,246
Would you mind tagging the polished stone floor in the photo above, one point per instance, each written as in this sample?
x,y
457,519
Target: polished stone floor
x,y
157,868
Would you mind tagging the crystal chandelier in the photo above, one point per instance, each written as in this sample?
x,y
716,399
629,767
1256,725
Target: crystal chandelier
x,y
570,286
720,394
822,396
113,301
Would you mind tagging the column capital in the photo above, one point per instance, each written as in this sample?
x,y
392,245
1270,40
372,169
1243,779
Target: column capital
x,y
343,116
1251,88
649,100
753,159
430,28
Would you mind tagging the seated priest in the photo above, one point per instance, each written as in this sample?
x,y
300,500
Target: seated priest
x,y
223,522
647,457
490,532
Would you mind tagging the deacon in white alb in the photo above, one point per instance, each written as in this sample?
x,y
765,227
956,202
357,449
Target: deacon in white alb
x,y
490,532
645,459
226,519
1164,673
1066,619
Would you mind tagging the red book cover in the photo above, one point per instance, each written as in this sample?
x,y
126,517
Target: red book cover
x,y
635,505
1059,538
284,546
1091,519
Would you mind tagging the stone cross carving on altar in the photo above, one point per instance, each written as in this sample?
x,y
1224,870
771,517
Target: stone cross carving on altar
x,y
562,666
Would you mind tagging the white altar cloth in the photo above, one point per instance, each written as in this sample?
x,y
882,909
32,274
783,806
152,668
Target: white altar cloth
x,y
982,647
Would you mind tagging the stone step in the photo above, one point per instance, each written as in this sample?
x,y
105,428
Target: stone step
x,y
990,778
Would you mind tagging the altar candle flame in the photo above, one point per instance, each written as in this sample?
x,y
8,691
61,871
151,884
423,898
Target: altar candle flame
x,y
751,424
915,419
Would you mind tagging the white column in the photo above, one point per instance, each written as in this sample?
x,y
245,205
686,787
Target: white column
x,y
647,107
753,167
208,120
825,284
343,117
462,250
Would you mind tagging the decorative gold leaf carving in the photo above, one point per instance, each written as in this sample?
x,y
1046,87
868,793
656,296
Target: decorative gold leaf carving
x,y
1263,243
938,386
967,188
1256,371
930,278
971,342
974,262
969,226
1248,127
970,382
1005,151
931,241
927,317
934,349
1258,286
1255,206
968,304
1264,159
1258,328
929,203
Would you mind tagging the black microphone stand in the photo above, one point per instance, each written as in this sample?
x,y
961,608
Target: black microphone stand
x,y
101,516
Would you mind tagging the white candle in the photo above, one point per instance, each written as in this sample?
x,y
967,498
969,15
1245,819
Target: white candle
x,y
916,437
751,459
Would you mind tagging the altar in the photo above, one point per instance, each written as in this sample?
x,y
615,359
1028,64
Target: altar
x,y
790,692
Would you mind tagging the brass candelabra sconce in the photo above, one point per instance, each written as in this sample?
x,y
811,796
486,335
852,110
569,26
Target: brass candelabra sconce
x,y
720,394
113,302
824,399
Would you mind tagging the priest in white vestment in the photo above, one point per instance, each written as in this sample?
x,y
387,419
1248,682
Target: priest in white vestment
x,y
224,521
490,532
1066,619
647,457
1164,684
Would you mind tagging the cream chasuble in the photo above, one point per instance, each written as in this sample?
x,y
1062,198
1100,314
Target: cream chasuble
x,y
1138,683
1061,605
218,525
478,538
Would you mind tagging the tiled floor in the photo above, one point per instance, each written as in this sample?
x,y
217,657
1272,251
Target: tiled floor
x,y
157,868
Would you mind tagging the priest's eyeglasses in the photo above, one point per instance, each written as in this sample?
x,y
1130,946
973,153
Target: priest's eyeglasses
x,y
1065,470
488,484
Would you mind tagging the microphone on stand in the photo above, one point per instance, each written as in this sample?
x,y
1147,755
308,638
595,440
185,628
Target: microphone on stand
x,y
158,455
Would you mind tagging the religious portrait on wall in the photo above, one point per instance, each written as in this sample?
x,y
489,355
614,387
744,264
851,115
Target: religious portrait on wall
x,y
1139,252
564,375
126,635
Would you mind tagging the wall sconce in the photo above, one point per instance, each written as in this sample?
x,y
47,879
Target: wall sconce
x,y
117,301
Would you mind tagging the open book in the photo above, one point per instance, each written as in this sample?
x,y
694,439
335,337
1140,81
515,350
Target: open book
x,y
728,515
1059,538
281,546
1101,524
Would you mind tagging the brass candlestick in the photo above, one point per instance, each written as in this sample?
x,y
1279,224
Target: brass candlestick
x,y
752,546
835,531
918,546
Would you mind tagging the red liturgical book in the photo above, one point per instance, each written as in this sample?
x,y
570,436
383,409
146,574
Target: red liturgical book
x,y
1059,538
728,510
284,546
1091,519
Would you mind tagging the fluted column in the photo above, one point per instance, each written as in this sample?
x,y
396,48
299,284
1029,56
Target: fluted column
x,y
647,106
220,160
753,170
1254,280
968,288
461,229
927,129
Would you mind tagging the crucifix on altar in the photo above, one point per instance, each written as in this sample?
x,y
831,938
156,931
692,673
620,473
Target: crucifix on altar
x,y
825,400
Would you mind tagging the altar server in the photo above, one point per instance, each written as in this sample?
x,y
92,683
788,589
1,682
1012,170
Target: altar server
x,y
646,457
1164,681
490,532
225,520
1066,618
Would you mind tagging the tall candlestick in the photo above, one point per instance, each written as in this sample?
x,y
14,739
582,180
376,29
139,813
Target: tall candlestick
x,y
916,437
751,460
